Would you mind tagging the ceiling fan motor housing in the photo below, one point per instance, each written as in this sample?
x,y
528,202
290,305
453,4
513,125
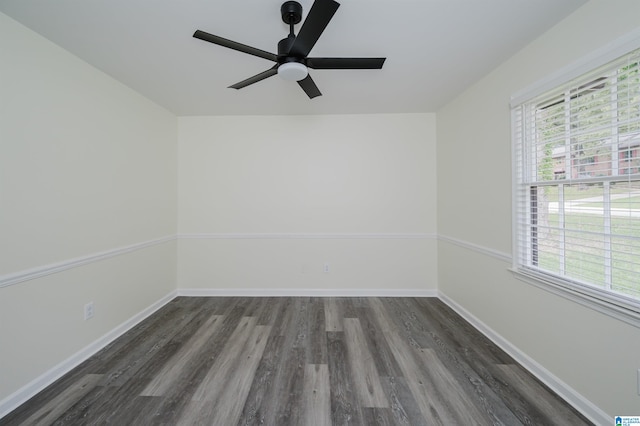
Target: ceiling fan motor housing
x,y
284,46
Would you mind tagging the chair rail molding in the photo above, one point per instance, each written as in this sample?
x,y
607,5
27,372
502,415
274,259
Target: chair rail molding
x,y
307,236
54,268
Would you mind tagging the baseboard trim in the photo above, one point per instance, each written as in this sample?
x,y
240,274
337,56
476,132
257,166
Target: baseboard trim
x,y
22,395
304,292
579,402
54,268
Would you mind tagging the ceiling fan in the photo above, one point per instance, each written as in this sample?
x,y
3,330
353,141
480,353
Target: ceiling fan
x,y
292,61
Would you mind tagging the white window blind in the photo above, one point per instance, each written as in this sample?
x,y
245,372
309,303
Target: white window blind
x,y
577,183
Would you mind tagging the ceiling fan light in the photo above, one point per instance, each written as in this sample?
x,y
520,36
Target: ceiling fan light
x,y
293,71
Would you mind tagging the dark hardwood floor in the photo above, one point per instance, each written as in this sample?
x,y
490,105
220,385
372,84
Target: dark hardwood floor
x,y
299,361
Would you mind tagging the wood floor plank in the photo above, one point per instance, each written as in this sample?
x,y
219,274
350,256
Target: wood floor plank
x,y
108,359
223,402
177,364
223,367
316,349
316,401
298,326
128,407
275,396
456,377
378,346
382,316
286,394
230,403
407,323
93,408
64,400
377,416
345,409
283,321
260,400
363,368
178,396
549,409
140,350
299,360
273,309
427,329
431,404
332,314
106,405
287,391
469,356
403,405
446,385
443,322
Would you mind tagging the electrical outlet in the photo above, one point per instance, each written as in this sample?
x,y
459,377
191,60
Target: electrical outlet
x,y
88,311
325,268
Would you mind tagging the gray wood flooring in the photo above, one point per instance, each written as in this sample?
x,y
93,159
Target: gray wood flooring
x,y
299,361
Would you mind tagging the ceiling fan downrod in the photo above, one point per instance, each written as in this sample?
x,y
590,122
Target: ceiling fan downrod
x,y
291,12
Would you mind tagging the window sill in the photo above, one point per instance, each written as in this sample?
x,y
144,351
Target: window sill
x,y
620,308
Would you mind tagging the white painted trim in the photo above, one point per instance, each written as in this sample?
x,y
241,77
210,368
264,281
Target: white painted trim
x,y
595,59
621,308
19,397
505,257
514,189
307,236
54,268
304,292
579,402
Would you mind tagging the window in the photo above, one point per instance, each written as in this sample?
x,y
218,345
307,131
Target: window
x,y
577,185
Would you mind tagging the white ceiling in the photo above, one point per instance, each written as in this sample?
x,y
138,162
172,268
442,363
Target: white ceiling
x,y
434,49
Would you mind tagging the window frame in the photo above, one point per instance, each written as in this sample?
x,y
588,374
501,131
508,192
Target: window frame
x,y
609,303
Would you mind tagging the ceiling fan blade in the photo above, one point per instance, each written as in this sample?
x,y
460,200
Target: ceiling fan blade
x,y
235,45
309,87
345,63
256,78
317,20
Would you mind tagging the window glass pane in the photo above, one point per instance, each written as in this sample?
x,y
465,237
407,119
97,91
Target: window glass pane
x,y
584,258
549,234
583,220
629,98
591,155
625,242
551,141
629,154
583,206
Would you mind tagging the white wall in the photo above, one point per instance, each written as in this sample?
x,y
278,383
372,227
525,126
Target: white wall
x,y
86,166
592,353
331,189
